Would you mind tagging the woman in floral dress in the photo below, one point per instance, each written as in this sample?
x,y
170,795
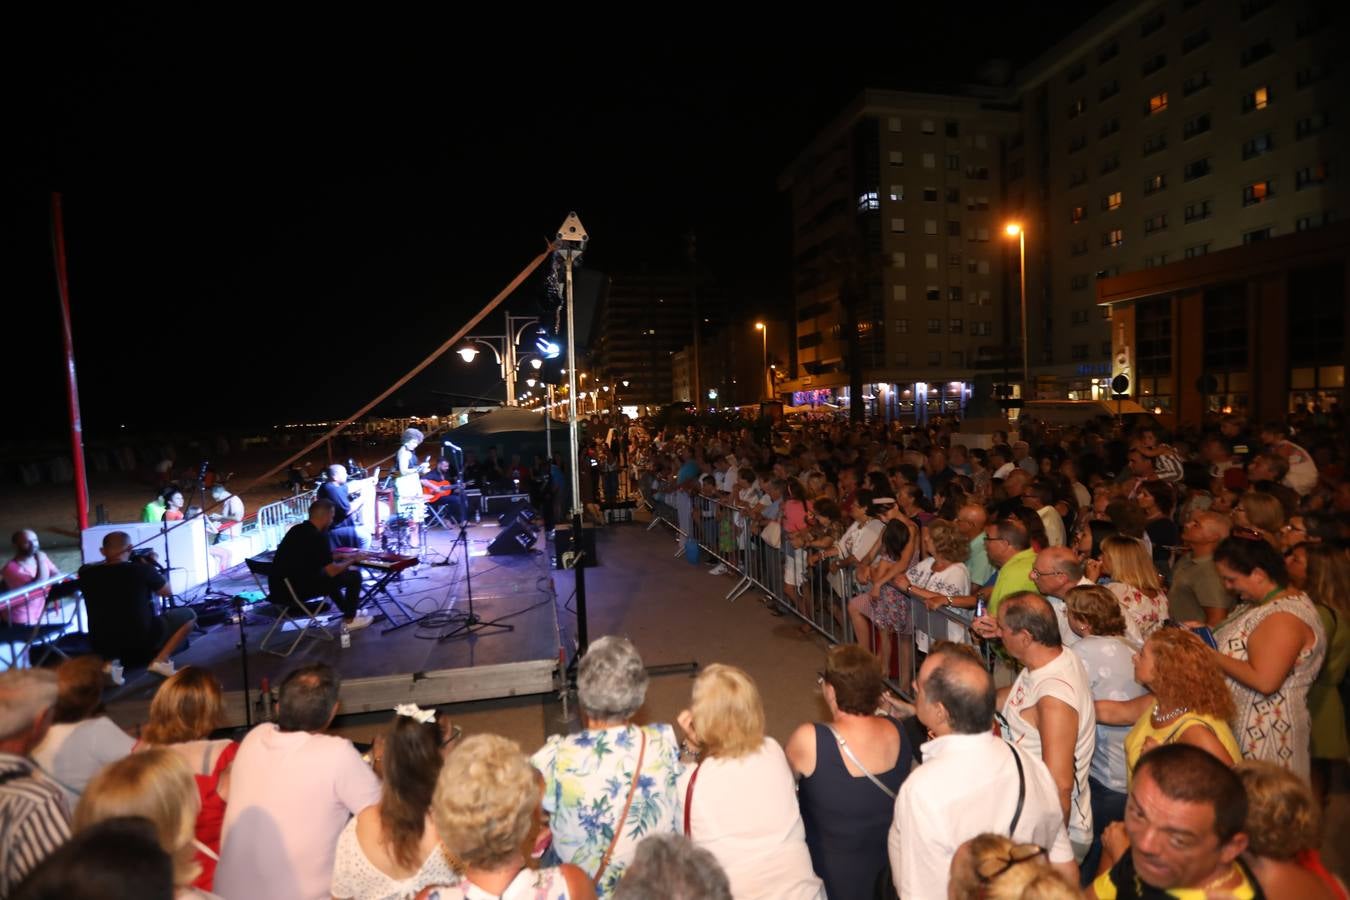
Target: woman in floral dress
x,y
589,776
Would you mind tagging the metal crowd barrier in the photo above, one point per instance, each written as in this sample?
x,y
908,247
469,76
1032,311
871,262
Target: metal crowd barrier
x,y
275,519
60,616
821,600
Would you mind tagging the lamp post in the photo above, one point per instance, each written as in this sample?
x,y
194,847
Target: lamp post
x,y
1015,228
764,335
503,347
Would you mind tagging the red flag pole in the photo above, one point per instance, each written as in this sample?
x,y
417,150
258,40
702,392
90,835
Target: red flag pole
x,y
72,389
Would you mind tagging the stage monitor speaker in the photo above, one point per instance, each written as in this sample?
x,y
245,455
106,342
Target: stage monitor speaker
x,y
562,544
521,509
514,539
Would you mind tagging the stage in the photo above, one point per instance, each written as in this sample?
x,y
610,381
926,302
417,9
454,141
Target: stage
x,y
407,665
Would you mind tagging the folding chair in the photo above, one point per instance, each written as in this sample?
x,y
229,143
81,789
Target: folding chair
x,y
302,614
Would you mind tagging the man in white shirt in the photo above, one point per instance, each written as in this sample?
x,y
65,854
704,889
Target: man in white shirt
x,y
292,790
1048,711
1057,570
969,783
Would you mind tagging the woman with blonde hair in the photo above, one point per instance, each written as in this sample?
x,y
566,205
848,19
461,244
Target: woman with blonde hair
x,y
993,867
487,806
1135,582
183,713
1284,832
739,801
156,785
1262,513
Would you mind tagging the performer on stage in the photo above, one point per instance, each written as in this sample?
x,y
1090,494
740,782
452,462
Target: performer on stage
x,y
346,531
305,559
406,458
442,492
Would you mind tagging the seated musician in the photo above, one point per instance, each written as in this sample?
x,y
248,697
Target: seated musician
x,y
119,596
226,521
29,565
305,559
441,491
345,532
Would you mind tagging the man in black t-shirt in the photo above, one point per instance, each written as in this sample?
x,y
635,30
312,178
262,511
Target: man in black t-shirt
x,y
119,596
305,559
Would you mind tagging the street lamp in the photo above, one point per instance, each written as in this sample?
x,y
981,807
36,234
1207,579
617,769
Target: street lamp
x,y
764,334
1015,229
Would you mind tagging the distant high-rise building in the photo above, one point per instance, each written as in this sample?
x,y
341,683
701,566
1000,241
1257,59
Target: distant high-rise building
x,y
1155,133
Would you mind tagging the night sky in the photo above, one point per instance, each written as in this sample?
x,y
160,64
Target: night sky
x,y
270,220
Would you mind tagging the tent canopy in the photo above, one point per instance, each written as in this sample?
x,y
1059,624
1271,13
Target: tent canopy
x,y
504,420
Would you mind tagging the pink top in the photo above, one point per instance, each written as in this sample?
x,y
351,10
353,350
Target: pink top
x,y
794,515
27,610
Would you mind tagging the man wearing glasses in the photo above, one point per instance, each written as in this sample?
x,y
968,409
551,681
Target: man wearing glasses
x,y
971,781
1057,570
1009,549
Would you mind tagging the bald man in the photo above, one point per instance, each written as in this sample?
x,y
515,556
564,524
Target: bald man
x,y
970,782
119,596
1196,593
1058,569
971,520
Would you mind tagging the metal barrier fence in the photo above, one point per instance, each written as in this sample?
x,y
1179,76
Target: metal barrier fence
x,y
275,519
58,616
797,582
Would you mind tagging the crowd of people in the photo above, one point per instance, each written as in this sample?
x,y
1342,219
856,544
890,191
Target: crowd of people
x,y
1143,698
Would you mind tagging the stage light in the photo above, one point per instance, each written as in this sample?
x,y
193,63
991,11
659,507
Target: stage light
x,y
546,342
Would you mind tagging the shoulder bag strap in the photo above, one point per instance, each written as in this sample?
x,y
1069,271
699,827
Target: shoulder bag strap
x,y
623,816
1021,790
689,801
843,745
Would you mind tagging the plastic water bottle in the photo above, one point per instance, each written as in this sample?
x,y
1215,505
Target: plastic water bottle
x,y
346,638
116,671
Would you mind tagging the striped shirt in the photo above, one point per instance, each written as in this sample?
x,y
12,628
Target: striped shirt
x,y
33,820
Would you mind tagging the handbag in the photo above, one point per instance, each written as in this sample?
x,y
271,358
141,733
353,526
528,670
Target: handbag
x,y
1021,790
623,816
843,745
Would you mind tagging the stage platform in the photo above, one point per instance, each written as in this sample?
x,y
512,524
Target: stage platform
x,y
408,665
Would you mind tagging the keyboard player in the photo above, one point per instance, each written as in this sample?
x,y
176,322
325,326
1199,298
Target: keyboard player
x,y
305,559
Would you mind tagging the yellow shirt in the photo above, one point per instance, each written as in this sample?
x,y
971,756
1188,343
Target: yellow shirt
x,y
1169,733
1105,888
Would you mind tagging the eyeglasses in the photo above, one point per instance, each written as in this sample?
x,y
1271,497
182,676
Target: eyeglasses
x,y
1247,534
990,869
1037,573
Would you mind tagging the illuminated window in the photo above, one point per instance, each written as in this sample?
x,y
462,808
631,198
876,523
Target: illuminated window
x,y
1157,103
1256,192
1113,238
1256,99
1111,201
894,124
897,192
1077,214
868,200
1155,183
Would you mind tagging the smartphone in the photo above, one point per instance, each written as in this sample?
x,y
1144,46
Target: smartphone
x,y
1206,634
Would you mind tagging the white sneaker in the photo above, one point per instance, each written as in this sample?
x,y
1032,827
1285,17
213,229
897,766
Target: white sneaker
x,y
719,569
358,623
163,668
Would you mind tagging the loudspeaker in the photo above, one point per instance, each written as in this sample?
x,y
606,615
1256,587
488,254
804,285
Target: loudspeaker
x,y
521,509
514,539
562,544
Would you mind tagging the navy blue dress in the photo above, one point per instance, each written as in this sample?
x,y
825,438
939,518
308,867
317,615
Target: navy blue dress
x,y
847,818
